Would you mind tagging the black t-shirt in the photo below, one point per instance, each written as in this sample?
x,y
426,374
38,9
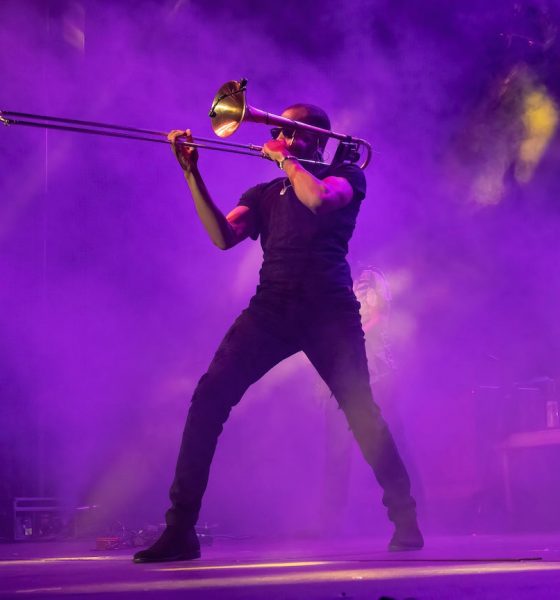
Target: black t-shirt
x,y
298,245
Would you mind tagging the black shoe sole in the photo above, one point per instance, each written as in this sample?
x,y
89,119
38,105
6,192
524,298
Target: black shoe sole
x,y
398,548
160,559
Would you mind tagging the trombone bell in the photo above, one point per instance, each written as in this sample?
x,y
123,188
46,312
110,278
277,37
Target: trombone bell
x,y
229,109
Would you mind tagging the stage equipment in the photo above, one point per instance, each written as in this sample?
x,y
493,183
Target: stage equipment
x,y
40,519
229,110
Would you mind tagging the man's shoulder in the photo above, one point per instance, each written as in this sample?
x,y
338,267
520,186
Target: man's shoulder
x,y
354,175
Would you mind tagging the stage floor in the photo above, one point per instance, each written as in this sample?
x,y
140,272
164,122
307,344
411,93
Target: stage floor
x,y
504,567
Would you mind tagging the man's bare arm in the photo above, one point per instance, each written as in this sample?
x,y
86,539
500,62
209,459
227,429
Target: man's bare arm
x,y
241,221
225,232
319,195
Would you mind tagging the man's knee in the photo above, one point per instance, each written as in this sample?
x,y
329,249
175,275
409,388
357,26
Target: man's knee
x,y
360,409
215,395
352,391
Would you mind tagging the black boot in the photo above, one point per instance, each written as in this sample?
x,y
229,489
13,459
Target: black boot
x,y
407,535
173,544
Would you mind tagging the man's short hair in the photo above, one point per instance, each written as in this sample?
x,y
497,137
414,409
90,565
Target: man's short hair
x,y
315,116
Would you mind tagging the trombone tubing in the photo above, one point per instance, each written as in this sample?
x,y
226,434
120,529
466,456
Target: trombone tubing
x,y
260,116
119,131
160,137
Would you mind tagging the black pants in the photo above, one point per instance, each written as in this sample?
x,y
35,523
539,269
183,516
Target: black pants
x,y
279,323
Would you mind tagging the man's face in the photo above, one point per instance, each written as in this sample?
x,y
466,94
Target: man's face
x,y
301,143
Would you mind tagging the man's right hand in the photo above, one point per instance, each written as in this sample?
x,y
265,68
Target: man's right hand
x,y
186,155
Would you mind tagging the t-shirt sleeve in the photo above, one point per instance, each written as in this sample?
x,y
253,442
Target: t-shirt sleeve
x,y
251,199
355,177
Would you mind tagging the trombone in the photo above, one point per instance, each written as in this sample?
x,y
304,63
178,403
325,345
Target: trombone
x,y
229,109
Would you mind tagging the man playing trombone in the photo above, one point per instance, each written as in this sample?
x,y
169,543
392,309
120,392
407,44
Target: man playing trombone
x,y
304,302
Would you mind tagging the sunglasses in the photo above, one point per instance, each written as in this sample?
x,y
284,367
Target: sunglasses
x,y
287,132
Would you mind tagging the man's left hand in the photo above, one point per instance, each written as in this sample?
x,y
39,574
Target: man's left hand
x,y
276,150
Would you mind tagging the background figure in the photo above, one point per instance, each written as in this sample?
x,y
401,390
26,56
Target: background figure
x,y
373,292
